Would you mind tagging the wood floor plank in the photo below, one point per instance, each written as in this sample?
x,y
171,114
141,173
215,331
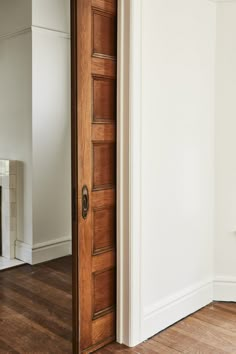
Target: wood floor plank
x,y
218,318
56,326
153,346
218,338
6,349
36,309
36,317
29,337
175,340
226,306
208,331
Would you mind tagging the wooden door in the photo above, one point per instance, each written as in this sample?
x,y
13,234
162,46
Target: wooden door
x,y
94,27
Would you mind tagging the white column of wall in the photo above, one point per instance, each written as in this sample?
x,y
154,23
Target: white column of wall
x,y
51,129
225,171
177,159
35,121
16,102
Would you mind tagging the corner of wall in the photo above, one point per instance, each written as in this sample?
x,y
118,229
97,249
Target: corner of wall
x,y
224,289
43,252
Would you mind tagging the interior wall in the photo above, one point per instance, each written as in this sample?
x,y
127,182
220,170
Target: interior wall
x,y
15,16
35,121
225,188
16,101
51,125
51,136
53,14
178,86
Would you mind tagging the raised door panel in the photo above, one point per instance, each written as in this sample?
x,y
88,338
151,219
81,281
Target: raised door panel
x,y
104,225
97,48
104,166
104,100
104,292
104,32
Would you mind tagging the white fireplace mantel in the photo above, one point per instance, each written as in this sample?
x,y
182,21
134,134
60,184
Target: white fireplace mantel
x,y
8,182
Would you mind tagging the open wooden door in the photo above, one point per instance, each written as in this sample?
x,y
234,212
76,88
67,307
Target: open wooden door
x,y
94,50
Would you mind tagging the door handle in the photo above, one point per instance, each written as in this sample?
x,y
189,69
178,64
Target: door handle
x,y
85,202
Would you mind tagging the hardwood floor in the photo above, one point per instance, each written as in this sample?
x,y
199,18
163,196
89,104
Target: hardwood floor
x,y
212,330
36,308
35,317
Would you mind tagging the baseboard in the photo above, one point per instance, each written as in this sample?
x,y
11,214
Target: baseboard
x,y
224,289
165,313
43,252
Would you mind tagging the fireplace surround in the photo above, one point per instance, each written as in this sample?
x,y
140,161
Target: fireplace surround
x,y
8,183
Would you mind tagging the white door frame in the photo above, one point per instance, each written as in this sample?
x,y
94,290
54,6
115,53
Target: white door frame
x,y
129,296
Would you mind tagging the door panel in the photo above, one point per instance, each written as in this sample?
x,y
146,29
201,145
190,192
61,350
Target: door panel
x,y
96,40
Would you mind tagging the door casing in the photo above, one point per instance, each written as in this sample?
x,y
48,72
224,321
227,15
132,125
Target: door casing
x,y
129,114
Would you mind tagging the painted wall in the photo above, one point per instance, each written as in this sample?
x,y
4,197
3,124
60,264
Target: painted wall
x,y
35,120
51,128
15,15
225,188
53,14
51,136
178,69
16,102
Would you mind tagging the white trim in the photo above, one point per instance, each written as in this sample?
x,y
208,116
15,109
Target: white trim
x,y
224,289
43,252
23,252
50,243
9,263
135,143
129,308
165,313
120,171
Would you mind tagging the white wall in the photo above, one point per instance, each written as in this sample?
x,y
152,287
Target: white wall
x,y
51,124
35,120
53,14
225,189
15,101
15,15
178,72
51,137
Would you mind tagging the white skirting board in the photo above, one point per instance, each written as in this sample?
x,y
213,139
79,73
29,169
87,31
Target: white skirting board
x,y
171,310
43,252
224,289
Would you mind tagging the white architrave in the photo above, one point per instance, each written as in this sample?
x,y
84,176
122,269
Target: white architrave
x,y
129,297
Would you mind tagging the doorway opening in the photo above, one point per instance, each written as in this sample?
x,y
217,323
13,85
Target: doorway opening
x,y
35,176
35,134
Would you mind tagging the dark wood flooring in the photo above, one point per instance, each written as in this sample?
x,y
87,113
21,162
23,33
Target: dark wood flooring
x,y
36,309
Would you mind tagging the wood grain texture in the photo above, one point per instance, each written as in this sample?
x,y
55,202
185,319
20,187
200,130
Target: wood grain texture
x,y
105,5
104,223
35,317
104,67
36,308
104,100
74,179
95,42
212,330
104,34
104,301
104,165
